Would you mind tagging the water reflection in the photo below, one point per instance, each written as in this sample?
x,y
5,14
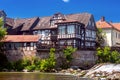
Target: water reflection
x,y
34,76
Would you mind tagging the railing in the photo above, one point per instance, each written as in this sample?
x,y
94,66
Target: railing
x,y
45,38
62,36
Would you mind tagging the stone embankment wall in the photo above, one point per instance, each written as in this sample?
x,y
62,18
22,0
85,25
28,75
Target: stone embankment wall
x,y
80,58
14,55
84,59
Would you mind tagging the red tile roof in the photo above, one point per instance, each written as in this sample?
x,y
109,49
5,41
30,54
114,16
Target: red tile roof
x,y
21,38
103,24
116,25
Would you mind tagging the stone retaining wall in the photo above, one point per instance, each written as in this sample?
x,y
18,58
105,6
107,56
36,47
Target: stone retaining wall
x,y
14,55
84,59
80,58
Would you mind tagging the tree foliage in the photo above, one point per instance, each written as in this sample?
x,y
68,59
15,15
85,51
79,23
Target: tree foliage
x,y
2,30
106,55
100,37
48,64
3,58
68,54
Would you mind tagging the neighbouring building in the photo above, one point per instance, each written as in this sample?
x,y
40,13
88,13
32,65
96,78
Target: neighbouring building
x,y
112,32
16,47
58,30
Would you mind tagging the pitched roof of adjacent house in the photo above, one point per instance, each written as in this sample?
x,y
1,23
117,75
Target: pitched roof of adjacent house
x,y
44,22
10,21
104,24
21,38
116,25
26,23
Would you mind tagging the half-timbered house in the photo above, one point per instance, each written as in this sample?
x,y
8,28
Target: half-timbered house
x,y
59,30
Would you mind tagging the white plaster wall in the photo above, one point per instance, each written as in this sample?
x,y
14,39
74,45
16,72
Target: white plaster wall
x,y
115,37
108,38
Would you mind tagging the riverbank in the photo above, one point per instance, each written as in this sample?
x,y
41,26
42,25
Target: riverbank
x,y
106,71
40,76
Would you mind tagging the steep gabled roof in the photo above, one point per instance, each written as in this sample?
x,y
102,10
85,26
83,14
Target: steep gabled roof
x,y
84,18
116,26
21,38
81,17
44,22
28,23
10,21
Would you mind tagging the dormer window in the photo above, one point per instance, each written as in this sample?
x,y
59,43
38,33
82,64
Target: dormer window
x,y
58,17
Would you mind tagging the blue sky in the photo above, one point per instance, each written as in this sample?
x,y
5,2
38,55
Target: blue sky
x,y
32,8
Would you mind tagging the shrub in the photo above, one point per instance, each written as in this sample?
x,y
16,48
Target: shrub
x,y
48,64
30,67
34,63
68,54
106,55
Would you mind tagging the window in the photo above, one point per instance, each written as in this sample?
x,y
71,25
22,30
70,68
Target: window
x,y
93,34
31,44
62,42
89,23
116,34
79,30
87,33
62,29
52,23
70,29
35,32
119,35
93,24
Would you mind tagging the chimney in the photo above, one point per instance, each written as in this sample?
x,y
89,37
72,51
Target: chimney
x,y
110,21
102,18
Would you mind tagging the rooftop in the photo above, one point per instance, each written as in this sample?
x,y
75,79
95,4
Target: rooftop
x,y
21,38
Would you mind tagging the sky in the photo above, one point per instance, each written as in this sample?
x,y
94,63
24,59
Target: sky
x,y
110,9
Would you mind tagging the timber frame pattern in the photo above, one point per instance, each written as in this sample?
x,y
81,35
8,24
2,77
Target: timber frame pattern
x,y
59,30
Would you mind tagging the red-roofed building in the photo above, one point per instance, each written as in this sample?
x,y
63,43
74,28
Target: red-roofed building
x,y
112,32
24,42
17,47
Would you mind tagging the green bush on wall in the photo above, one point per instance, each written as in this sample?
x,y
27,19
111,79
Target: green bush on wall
x,y
106,55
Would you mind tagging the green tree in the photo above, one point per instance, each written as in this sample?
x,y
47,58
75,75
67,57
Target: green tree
x,y
100,37
2,30
3,58
106,55
48,64
68,54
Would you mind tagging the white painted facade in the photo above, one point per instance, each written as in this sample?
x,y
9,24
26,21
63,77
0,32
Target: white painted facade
x,y
112,37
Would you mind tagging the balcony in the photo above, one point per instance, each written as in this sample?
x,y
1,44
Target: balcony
x,y
64,36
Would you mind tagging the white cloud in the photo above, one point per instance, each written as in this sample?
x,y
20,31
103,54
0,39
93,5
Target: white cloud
x,y
65,1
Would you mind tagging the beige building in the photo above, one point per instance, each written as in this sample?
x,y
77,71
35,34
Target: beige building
x,y
112,32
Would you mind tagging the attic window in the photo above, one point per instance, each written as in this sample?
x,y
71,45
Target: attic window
x,y
58,17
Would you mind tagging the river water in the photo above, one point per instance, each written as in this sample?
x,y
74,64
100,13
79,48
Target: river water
x,y
34,76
